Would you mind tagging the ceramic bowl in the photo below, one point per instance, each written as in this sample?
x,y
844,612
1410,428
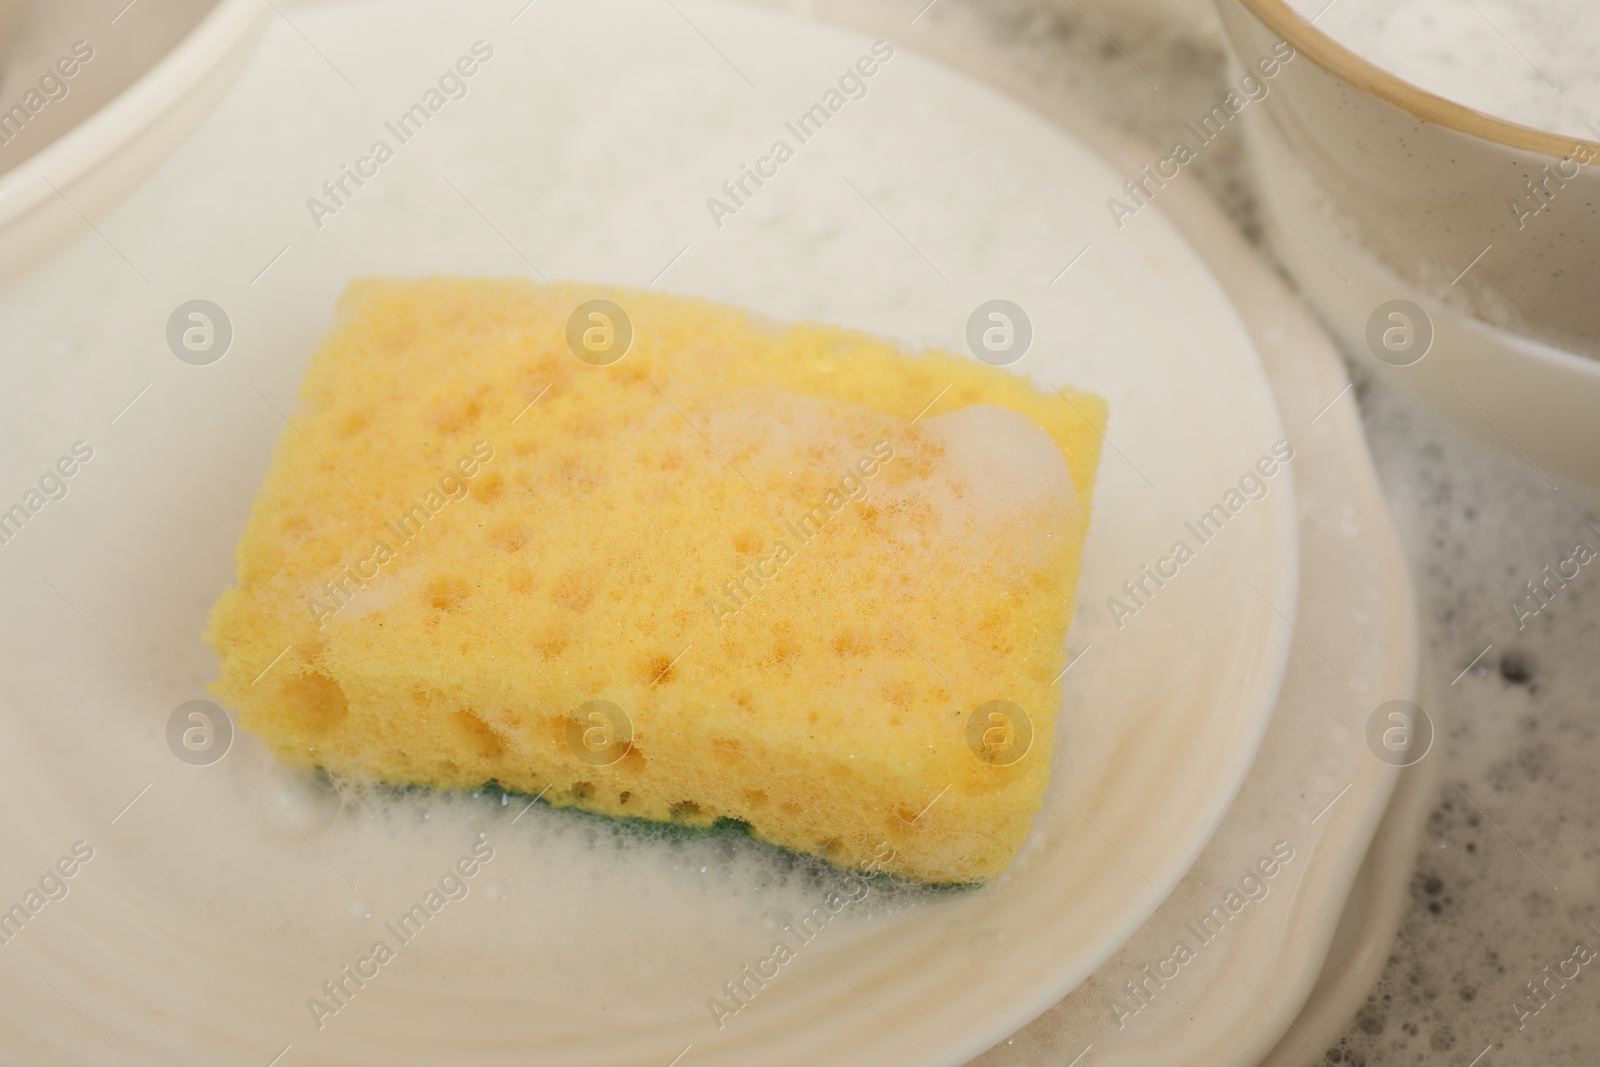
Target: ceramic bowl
x,y
55,191
1450,249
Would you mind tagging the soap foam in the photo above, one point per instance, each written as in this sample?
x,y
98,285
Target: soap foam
x,y
1529,61
792,444
979,487
573,910
1001,474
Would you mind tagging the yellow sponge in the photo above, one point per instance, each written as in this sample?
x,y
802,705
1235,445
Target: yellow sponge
x,y
788,576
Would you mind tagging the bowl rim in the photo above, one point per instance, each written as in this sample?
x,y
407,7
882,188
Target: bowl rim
x,y
211,43
1351,67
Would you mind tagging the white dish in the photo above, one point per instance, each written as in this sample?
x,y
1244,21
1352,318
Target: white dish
x,y
607,181
1365,934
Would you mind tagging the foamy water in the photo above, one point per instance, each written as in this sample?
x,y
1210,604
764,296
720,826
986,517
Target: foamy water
x,y
1530,61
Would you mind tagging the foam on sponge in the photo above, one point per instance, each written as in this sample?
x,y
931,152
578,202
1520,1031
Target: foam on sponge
x,y
747,572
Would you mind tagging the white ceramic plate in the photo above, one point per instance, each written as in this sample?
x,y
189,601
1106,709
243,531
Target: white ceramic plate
x,y
1365,934
586,147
